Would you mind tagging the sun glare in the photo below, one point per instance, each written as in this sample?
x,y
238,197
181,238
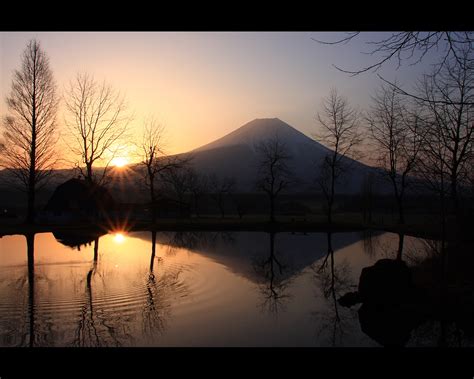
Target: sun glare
x,y
119,238
119,161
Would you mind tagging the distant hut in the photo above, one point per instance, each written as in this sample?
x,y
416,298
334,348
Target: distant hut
x,y
78,200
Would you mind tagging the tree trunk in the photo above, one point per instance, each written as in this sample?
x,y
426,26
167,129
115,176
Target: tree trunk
x,y
196,205
30,219
220,204
89,173
401,238
153,249
454,196
272,208
96,249
153,199
401,215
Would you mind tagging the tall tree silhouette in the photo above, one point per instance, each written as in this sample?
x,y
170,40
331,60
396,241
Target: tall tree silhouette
x,y
30,127
448,103
338,130
397,140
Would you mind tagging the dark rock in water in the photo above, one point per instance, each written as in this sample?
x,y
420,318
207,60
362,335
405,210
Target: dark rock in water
x,y
388,281
392,306
349,299
389,325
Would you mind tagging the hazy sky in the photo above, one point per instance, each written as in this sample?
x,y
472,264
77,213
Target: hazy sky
x,y
204,85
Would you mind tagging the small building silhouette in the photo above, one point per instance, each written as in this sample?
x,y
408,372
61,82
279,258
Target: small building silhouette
x,y
78,200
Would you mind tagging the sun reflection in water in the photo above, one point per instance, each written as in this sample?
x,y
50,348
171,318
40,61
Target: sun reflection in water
x,y
119,238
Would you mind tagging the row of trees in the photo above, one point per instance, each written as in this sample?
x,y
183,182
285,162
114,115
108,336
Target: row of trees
x,y
428,136
96,118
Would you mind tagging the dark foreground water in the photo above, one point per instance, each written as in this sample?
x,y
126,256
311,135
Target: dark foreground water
x,y
192,289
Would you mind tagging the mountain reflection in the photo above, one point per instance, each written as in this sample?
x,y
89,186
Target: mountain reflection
x,y
226,289
273,285
239,251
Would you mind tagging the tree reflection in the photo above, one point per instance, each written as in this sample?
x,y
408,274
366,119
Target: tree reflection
x,y
333,280
96,327
77,239
275,279
39,330
30,248
153,250
401,239
158,295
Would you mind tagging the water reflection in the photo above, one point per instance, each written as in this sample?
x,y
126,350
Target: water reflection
x,y
419,301
333,280
94,325
78,239
213,288
119,238
37,331
274,278
156,308
93,316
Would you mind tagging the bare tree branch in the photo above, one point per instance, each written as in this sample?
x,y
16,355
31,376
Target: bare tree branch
x,y
406,46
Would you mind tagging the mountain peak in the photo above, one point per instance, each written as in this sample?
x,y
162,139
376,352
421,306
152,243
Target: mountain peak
x,y
258,130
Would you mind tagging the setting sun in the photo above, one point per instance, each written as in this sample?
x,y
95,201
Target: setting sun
x,y
119,161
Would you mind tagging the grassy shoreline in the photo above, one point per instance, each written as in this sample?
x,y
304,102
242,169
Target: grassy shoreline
x,y
224,224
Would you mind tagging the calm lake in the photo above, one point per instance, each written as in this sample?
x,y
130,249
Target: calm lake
x,y
193,289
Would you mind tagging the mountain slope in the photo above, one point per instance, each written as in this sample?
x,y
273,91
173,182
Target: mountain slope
x,y
234,155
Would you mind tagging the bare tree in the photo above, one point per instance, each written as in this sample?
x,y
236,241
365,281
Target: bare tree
x,y
30,127
150,150
219,189
97,120
274,175
154,161
412,47
339,131
449,123
396,137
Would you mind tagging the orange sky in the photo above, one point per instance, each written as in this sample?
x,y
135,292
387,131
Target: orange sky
x,y
202,86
